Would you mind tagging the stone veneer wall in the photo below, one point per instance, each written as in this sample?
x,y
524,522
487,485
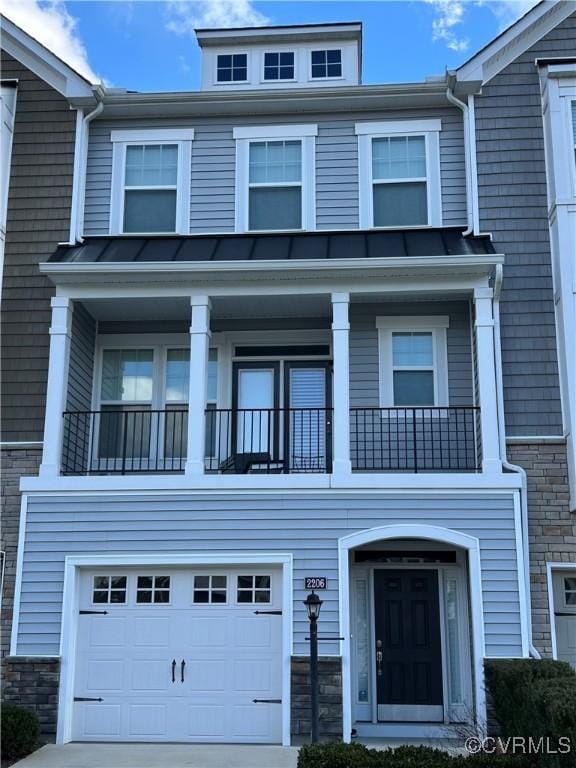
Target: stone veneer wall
x,y
330,697
32,682
551,525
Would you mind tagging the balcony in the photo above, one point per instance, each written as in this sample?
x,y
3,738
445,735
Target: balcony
x,y
271,440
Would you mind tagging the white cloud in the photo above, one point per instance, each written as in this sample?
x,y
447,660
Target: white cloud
x,y
187,15
50,24
508,11
449,15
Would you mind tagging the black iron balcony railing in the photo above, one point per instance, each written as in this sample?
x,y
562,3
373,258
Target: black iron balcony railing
x,y
122,440
414,439
269,440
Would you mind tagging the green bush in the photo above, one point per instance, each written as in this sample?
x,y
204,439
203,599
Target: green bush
x,y
20,732
359,756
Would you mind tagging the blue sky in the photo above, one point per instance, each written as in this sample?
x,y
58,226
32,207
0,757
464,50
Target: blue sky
x,y
149,46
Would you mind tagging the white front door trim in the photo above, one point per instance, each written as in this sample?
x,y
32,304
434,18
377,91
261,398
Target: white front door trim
x,y
70,607
550,567
412,531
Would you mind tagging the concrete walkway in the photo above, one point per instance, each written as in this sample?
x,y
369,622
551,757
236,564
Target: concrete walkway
x,y
160,756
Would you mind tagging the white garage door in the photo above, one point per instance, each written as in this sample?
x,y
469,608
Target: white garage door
x,y
179,655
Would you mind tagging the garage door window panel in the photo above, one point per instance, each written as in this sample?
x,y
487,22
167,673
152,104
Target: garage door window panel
x,y
210,589
153,589
253,589
570,591
109,589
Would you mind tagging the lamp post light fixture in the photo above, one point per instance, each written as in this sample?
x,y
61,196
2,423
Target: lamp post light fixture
x,y
313,605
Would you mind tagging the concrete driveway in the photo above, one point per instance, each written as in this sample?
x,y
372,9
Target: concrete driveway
x,y
160,756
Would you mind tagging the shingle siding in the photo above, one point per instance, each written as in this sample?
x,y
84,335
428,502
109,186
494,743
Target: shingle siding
x,y
513,207
38,219
212,190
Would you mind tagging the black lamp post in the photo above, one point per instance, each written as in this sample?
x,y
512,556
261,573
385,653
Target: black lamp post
x,y
313,605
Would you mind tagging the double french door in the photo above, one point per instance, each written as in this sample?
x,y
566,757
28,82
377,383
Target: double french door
x,y
282,414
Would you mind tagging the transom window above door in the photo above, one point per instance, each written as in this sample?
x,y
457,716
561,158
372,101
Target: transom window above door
x,y
151,181
399,164
275,178
413,361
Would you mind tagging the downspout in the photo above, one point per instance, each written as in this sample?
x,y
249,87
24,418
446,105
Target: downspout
x,y
467,159
533,651
83,154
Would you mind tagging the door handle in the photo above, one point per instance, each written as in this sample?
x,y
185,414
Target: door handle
x,y
182,671
379,658
173,670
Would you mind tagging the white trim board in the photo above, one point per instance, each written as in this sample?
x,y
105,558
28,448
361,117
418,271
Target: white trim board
x,y
412,531
70,602
550,567
386,127
275,131
152,134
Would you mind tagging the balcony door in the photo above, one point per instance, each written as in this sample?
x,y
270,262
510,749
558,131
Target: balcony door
x,y
282,414
255,401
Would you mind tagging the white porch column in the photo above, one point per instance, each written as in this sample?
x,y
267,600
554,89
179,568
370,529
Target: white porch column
x,y
486,373
199,349
341,351
57,388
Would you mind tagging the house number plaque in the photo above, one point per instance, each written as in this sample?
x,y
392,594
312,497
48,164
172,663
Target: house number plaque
x,y
315,582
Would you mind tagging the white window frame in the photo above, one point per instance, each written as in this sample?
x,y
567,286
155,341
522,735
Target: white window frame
x,y
279,80
231,82
121,139
430,130
304,133
313,79
437,325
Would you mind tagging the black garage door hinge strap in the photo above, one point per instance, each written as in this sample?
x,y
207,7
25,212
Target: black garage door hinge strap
x,y
83,698
83,613
268,613
266,701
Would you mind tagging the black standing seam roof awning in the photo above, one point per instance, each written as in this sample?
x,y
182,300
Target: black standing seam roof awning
x,y
294,246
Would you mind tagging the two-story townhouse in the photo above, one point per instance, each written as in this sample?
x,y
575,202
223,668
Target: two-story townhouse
x,y
40,97
522,116
275,354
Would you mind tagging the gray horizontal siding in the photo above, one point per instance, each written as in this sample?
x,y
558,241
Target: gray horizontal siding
x,y
364,377
306,525
81,367
513,206
214,167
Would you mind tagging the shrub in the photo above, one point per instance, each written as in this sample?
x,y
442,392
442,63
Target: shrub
x,y
336,756
20,732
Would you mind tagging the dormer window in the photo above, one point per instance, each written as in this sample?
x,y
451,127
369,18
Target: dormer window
x,y
232,68
326,64
279,66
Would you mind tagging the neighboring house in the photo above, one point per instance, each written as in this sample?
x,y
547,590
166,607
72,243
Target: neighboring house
x,y
275,353
39,123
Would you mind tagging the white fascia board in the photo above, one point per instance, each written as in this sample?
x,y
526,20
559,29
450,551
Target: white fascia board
x,y
386,127
445,482
514,41
275,131
152,134
43,62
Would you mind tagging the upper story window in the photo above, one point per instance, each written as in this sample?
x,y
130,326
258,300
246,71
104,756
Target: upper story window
x,y
151,181
150,188
413,361
326,63
232,68
279,66
275,178
399,174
